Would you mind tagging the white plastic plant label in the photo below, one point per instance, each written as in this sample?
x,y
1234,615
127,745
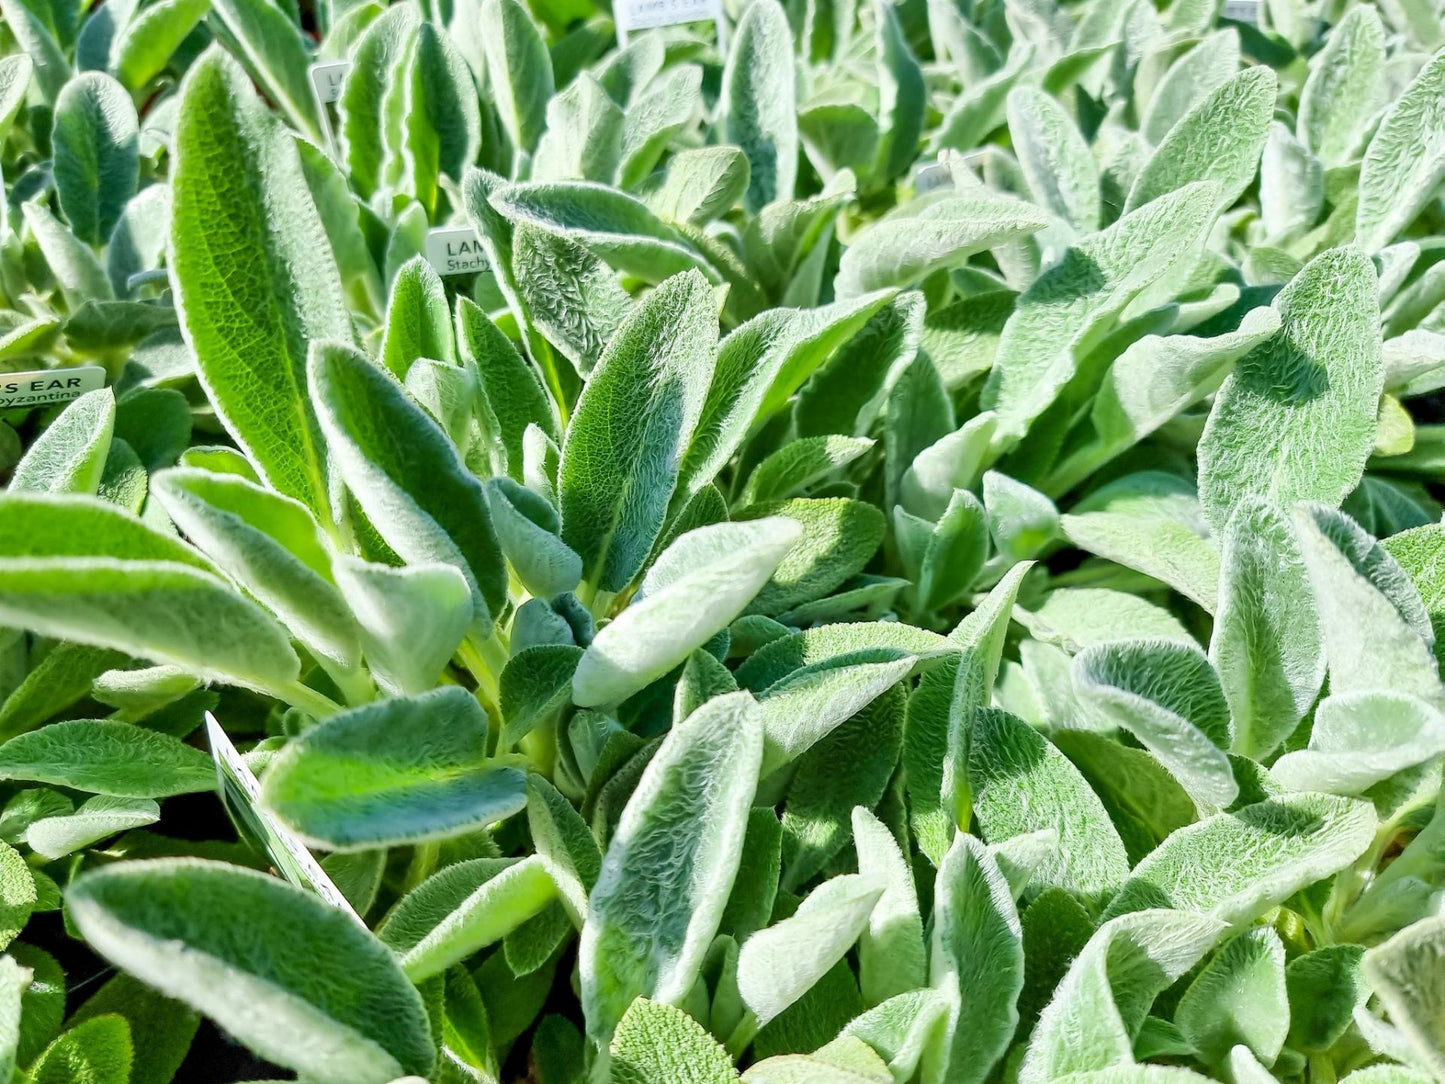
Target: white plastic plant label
x,y
46,386
327,78
633,15
1242,11
241,793
455,250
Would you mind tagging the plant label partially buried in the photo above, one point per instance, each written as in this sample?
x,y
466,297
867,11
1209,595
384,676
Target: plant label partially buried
x,y
648,14
455,250
241,791
45,387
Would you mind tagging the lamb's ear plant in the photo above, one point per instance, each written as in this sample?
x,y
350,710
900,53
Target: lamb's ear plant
x,y
878,542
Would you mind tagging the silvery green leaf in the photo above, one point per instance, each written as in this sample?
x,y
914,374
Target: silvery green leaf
x,y
1064,312
418,321
1021,520
1236,866
267,41
621,458
1377,634
100,756
902,249
94,820
425,770
800,710
679,845
1021,784
851,388
1405,975
1203,69
49,68
977,959
1359,739
761,110
1325,987
699,184
1296,419
850,768
1266,645
74,264
69,457
583,140
270,545
892,958
236,174
951,463
367,121
462,909
160,610
902,94
1059,167
903,1028
448,392
789,654
514,394
1157,377
572,297
1403,165
654,120
1291,184
15,75
981,107
778,965
443,130
1090,1024
1079,617
145,44
1238,999
412,619
95,143
838,136
839,537
519,69
941,718
615,226
292,977
1151,522
1167,695
527,527
406,475
694,589
800,464
656,1043
943,559
1220,139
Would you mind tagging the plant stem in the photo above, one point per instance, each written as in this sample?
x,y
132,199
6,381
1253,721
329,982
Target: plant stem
x,y
307,699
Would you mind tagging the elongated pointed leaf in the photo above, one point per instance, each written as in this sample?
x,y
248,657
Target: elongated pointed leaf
x,y
1296,419
762,117
1238,865
254,277
1403,164
695,589
96,148
399,770
407,475
670,864
622,455
293,978
104,757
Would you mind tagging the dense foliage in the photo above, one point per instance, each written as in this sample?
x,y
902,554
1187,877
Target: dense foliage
x,y
917,559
